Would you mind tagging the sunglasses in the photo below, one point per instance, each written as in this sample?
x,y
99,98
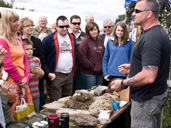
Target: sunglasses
x,y
107,26
65,26
29,25
76,23
139,10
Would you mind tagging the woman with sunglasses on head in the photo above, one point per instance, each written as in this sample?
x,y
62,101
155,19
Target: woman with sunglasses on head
x,y
15,62
91,52
26,29
118,51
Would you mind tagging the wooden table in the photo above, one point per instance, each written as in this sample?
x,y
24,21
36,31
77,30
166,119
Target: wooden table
x,y
115,114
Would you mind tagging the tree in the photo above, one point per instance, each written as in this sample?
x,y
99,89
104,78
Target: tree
x,y
20,8
10,5
6,4
164,14
120,18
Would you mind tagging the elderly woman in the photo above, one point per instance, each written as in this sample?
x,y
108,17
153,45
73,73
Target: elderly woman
x,y
26,29
91,52
15,62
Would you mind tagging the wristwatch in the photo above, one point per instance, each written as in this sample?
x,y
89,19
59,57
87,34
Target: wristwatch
x,y
122,85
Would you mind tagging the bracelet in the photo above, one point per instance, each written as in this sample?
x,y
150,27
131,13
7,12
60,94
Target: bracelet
x,y
123,86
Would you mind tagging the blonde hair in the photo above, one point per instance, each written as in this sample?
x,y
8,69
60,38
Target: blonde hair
x,y
6,17
24,20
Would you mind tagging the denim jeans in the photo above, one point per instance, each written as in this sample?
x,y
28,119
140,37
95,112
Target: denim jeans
x,y
77,81
91,80
41,91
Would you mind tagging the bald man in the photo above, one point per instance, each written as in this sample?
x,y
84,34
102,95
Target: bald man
x,y
42,27
89,18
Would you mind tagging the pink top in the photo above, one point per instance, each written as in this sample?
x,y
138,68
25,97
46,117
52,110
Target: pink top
x,y
15,60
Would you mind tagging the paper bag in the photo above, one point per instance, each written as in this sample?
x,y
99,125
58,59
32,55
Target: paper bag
x,y
30,108
19,115
23,110
23,105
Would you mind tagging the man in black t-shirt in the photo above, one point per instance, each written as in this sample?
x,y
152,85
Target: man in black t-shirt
x,y
149,68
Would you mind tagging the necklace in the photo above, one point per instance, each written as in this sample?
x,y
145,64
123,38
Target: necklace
x,y
14,41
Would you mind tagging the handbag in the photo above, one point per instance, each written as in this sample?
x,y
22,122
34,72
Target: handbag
x,y
23,110
23,105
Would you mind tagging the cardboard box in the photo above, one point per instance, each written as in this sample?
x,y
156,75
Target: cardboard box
x,y
124,95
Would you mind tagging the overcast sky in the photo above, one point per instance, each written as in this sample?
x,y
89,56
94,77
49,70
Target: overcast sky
x,y
100,9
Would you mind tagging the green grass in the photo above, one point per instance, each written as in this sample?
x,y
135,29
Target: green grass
x,y
167,120
167,113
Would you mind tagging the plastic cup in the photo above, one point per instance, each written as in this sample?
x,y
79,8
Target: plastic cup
x,y
53,120
115,105
12,94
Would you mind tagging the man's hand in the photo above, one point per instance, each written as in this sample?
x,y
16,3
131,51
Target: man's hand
x,y
51,76
106,77
5,88
124,69
116,85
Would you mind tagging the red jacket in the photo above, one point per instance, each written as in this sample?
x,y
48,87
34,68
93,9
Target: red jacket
x,y
51,51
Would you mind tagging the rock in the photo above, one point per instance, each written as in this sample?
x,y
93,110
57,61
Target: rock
x,y
72,112
54,105
85,120
103,102
75,103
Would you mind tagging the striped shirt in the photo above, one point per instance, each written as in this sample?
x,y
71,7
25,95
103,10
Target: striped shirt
x,y
34,83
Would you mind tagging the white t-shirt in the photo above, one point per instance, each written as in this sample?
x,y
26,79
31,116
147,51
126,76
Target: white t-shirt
x,y
65,60
106,39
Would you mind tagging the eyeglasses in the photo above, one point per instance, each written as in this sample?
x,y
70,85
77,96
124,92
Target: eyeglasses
x,y
29,25
139,10
76,23
107,26
65,26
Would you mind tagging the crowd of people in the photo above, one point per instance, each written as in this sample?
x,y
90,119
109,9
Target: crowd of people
x,y
64,59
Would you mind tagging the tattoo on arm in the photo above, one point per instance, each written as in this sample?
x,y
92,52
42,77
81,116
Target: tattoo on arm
x,y
150,68
132,81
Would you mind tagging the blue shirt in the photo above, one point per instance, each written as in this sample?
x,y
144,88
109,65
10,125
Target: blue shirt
x,y
116,55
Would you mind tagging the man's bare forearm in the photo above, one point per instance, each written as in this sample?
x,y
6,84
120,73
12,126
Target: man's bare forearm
x,y
146,76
